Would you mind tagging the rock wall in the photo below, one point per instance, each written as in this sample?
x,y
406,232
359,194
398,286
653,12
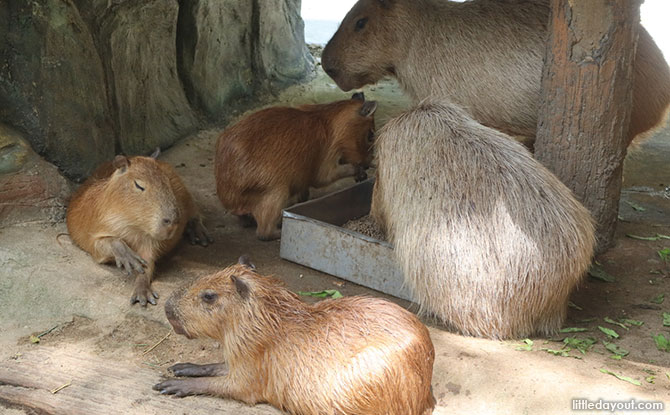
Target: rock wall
x,y
85,79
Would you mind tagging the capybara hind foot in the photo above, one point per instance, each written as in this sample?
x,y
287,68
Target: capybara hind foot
x,y
185,387
247,221
143,293
197,233
192,370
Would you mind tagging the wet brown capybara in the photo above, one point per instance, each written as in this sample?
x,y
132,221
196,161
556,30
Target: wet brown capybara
x,y
131,211
488,239
271,157
484,55
352,355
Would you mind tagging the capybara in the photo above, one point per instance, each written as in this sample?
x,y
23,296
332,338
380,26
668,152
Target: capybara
x,y
489,240
351,355
131,211
271,157
484,55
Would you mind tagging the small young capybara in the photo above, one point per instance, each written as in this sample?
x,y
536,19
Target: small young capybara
x,y
270,158
484,55
132,211
489,240
352,355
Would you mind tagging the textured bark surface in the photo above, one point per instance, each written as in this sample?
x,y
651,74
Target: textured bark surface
x,y
83,80
586,102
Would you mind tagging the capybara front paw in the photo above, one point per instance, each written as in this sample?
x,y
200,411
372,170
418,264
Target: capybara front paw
x,y
128,259
197,233
177,387
192,370
143,295
270,236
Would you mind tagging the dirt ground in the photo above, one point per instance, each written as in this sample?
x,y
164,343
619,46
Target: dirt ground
x,y
80,310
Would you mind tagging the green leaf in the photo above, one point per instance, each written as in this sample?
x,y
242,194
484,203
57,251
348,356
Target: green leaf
x,y
597,272
658,299
573,329
562,352
528,346
34,339
666,319
664,254
631,322
662,343
583,345
642,238
575,306
650,379
321,294
615,357
609,332
616,323
587,320
614,348
635,206
620,377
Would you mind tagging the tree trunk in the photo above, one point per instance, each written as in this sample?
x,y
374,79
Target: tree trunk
x,y
586,101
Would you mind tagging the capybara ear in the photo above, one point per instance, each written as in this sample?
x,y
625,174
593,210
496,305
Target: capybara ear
x,y
241,287
368,109
244,260
156,153
358,96
121,163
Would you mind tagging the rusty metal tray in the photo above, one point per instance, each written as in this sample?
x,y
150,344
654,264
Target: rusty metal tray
x,y
312,235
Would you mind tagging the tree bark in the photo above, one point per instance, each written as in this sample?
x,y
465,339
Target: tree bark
x,y
586,102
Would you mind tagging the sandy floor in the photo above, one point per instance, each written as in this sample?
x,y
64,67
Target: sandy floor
x,y
45,285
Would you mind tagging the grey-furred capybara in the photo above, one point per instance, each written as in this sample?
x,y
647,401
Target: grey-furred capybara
x,y
490,242
484,55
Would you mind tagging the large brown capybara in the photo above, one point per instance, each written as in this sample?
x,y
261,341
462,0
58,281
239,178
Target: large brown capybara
x,y
484,55
352,355
489,240
271,157
131,211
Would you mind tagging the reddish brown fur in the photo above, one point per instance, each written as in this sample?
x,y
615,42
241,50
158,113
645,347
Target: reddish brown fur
x,y
353,355
276,154
112,219
485,56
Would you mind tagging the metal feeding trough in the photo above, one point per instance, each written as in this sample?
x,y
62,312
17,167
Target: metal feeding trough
x,y
312,235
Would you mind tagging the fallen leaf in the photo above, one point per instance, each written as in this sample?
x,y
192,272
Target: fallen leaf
x,y
583,345
635,206
616,323
658,299
597,272
575,306
573,329
664,254
620,377
321,294
609,332
614,348
528,346
631,322
34,339
666,319
662,343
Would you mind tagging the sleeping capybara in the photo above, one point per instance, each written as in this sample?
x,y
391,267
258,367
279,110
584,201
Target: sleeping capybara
x,y
489,240
484,55
352,355
271,157
131,211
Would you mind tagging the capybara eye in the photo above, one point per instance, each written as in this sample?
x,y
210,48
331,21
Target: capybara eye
x,y
209,296
360,24
138,186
